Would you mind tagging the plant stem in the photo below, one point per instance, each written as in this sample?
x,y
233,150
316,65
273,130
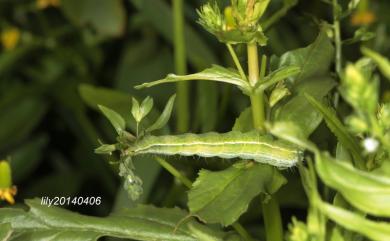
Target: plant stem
x,y
272,220
182,88
241,230
187,182
236,61
337,38
176,173
253,64
257,99
276,16
271,212
257,102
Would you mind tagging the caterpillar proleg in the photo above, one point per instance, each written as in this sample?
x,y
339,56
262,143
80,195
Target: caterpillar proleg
x,y
250,145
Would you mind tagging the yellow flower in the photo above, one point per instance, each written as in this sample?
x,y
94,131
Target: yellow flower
x,y
364,17
42,4
8,194
10,38
7,191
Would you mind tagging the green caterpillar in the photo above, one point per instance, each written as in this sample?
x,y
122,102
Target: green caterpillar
x,y
250,145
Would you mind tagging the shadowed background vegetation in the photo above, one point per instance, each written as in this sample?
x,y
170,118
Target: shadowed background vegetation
x,y
61,58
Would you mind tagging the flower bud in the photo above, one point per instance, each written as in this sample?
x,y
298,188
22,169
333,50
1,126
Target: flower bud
x,y
7,191
239,24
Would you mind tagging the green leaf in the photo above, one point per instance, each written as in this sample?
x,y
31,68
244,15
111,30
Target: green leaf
x,y
105,149
369,192
135,110
139,112
146,106
298,110
215,73
313,60
335,125
141,223
26,158
116,100
107,17
136,56
21,118
221,197
292,133
382,62
378,231
116,120
276,76
164,117
360,35
278,93
244,122
5,231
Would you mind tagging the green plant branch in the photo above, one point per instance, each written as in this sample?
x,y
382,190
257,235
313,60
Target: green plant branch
x,y
241,230
277,16
182,88
174,172
236,61
187,182
337,38
271,212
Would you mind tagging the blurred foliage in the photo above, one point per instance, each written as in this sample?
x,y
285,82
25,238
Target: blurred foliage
x,y
60,59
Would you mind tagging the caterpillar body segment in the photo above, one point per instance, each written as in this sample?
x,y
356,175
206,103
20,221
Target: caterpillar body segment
x,y
250,145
